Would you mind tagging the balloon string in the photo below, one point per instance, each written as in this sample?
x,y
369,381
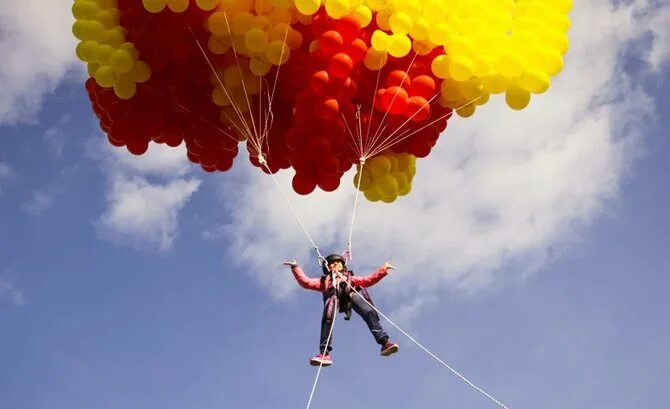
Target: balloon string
x,y
244,84
225,90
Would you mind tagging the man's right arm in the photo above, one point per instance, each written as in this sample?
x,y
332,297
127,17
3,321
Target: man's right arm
x,y
304,281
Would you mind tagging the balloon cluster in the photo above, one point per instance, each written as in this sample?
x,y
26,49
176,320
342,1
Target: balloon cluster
x,y
314,85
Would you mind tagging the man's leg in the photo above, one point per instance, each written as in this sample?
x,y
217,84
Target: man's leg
x,y
327,323
370,317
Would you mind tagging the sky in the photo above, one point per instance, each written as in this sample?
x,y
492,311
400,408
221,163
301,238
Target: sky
x,y
532,253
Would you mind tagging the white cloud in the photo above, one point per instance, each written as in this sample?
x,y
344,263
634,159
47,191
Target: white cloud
x,y
40,201
6,175
159,160
502,192
56,137
141,213
145,196
9,293
37,44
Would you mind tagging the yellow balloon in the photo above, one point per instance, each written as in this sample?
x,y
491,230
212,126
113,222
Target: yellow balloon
x,y
130,47
388,186
510,64
262,6
384,18
141,72
216,46
440,66
121,61
105,77
220,97
535,81
471,89
389,199
466,111
103,54
241,23
277,52
376,5
402,179
93,30
154,6
375,60
379,166
107,18
434,10
399,45
372,194
178,6
401,23
439,33
259,66
207,5
517,98
420,29
262,22
495,84
337,8
422,47
460,68
125,88
217,24
363,14
256,40
87,51
365,180
114,37
307,7
82,10
380,40
92,68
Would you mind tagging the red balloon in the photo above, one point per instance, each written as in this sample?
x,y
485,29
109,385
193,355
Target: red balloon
x,y
327,108
319,82
329,183
303,183
357,50
395,100
331,42
137,146
319,145
340,65
349,27
422,86
398,78
417,109
328,165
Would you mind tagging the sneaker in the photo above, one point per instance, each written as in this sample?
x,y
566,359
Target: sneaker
x,y
389,348
321,360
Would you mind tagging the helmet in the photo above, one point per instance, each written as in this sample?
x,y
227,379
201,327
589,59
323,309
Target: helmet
x,y
335,257
331,259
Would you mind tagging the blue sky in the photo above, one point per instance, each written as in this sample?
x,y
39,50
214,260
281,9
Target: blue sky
x,y
143,283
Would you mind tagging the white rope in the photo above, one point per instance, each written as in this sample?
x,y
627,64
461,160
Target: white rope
x,y
353,216
324,352
263,162
428,352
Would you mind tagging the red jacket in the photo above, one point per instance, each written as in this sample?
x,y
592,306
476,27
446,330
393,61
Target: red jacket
x,y
322,285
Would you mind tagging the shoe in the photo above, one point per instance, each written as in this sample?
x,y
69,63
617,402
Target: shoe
x,y
389,348
321,360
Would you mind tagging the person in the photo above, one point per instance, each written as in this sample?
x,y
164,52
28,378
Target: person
x,y
335,268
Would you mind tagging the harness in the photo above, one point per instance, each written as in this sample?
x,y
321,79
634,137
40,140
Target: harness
x,y
341,288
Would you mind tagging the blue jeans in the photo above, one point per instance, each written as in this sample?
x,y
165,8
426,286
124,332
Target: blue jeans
x,y
362,308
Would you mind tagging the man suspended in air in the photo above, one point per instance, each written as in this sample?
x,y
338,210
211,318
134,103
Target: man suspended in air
x,y
346,299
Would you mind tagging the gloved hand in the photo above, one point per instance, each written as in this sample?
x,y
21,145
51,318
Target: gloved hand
x,y
389,266
291,263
